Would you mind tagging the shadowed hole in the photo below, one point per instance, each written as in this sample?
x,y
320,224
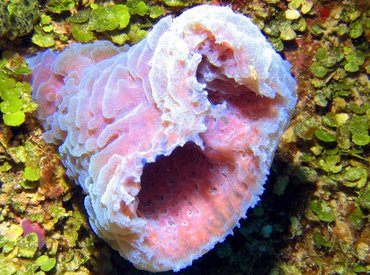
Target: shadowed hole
x,y
220,88
171,186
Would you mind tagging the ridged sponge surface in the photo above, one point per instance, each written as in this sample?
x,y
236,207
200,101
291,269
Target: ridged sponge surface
x,y
171,139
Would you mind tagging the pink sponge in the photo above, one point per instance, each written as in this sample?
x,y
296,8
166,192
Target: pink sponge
x,y
171,139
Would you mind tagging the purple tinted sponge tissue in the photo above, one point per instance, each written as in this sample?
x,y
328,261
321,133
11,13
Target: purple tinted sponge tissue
x,y
171,139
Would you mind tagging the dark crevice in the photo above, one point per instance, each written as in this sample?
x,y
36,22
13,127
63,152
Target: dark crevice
x,y
243,102
169,185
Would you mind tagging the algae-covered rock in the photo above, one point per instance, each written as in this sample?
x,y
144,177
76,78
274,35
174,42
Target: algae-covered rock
x,y
17,17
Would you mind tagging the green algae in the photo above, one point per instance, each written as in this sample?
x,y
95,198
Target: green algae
x,y
321,241
120,23
59,6
17,17
176,3
15,95
109,18
280,185
45,263
81,33
28,246
31,173
322,210
34,188
325,136
295,227
43,40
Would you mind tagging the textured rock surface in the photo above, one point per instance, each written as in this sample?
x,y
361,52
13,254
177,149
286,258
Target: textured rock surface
x,y
172,138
